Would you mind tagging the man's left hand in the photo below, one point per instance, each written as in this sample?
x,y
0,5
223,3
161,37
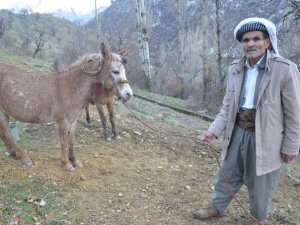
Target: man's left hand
x,y
287,158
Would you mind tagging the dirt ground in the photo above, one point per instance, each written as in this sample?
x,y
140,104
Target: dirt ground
x,y
146,178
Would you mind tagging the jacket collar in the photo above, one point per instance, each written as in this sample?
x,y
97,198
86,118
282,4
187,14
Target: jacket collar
x,y
263,64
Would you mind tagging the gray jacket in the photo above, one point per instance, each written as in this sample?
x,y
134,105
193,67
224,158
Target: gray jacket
x,y
277,122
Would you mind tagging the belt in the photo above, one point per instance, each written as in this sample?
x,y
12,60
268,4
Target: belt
x,y
246,119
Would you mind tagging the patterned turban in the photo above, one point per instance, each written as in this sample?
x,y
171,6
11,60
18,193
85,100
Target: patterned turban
x,y
259,24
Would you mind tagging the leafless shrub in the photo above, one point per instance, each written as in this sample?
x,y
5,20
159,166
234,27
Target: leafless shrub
x,y
2,27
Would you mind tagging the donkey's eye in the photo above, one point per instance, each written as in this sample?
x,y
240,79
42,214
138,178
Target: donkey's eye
x,y
115,71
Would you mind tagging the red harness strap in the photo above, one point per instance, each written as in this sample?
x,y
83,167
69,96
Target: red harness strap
x,y
96,89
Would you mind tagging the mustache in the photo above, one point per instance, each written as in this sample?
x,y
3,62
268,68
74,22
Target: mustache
x,y
251,49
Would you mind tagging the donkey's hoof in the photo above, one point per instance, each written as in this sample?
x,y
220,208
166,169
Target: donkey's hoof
x,y
78,164
69,168
26,162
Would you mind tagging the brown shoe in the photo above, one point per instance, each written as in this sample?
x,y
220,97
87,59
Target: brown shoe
x,y
206,213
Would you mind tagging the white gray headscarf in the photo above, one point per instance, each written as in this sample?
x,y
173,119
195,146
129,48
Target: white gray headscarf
x,y
255,24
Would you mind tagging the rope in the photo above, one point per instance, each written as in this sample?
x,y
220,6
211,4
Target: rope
x,y
93,72
212,149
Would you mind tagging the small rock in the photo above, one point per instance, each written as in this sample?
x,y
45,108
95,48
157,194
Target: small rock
x,y
125,134
137,133
42,203
188,187
82,178
13,223
31,199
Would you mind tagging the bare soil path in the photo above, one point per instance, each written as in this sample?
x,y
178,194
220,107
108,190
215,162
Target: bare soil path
x,y
146,178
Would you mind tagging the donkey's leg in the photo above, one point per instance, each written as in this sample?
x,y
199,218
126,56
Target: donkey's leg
x,y
63,131
103,121
111,114
87,114
9,140
72,157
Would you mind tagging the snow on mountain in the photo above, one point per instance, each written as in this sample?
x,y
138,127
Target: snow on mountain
x,y
63,13
75,17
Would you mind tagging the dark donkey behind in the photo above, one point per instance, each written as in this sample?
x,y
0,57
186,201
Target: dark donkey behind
x,y
108,101
61,98
105,98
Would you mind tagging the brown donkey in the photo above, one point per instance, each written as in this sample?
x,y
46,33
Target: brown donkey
x,y
61,98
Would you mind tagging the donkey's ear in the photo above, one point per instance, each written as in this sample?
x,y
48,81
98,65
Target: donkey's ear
x,y
123,51
104,52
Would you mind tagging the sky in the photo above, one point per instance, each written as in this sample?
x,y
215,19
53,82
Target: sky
x,y
44,6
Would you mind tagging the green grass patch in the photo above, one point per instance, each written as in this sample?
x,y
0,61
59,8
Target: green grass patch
x,y
20,200
180,103
34,64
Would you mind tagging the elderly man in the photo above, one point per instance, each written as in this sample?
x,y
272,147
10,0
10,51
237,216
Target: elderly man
x,y
259,120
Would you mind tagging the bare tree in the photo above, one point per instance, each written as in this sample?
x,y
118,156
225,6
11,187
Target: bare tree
x,y
180,11
293,9
39,42
143,41
220,78
26,41
97,22
78,44
2,27
23,12
192,49
204,53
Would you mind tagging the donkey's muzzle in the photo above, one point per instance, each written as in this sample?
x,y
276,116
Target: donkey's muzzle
x,y
126,97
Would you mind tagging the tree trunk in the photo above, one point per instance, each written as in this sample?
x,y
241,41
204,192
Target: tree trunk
x,y
180,11
97,22
220,78
204,53
143,41
39,42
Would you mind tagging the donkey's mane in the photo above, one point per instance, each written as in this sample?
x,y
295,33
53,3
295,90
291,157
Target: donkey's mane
x,y
84,59
94,57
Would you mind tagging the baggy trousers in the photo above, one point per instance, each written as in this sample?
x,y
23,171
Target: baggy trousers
x,y
239,167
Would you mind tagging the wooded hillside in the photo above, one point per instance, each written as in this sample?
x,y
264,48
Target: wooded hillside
x,y
190,43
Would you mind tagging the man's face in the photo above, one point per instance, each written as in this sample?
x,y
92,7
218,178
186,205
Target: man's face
x,y
254,46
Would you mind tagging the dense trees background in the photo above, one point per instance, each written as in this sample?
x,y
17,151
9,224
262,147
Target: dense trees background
x,y
180,48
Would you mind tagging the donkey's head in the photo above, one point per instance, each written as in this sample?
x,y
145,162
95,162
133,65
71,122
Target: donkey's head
x,y
114,66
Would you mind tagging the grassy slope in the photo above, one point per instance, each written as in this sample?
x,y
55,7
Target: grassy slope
x,y
58,34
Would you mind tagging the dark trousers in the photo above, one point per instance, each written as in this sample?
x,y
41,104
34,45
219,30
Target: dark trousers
x,y
239,167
